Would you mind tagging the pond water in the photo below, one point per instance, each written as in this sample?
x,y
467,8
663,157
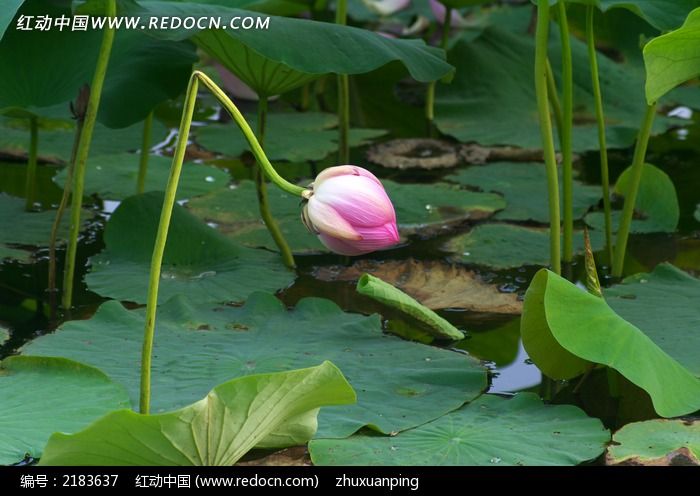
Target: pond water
x,y
492,338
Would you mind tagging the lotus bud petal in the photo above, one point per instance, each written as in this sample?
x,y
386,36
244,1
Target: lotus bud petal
x,y
350,212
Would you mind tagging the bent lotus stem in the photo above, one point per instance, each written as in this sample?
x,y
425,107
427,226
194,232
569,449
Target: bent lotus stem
x,y
600,119
30,185
169,202
430,94
341,17
145,152
261,190
640,152
566,132
82,155
542,33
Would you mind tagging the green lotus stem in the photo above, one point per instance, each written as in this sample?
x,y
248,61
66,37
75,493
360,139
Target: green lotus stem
x,y
430,93
553,95
542,33
341,17
169,201
30,185
600,118
59,216
640,152
261,189
566,132
145,152
82,155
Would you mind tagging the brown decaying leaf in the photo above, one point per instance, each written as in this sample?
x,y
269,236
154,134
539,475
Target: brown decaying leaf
x,y
435,284
298,456
680,457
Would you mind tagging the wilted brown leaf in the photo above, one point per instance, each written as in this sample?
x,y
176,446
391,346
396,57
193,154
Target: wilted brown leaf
x,y
435,284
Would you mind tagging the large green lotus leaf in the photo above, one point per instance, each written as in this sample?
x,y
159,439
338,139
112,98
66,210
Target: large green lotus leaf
x,y
56,141
504,246
42,68
492,101
215,431
418,207
198,262
113,177
661,14
142,73
43,395
399,384
587,329
524,186
644,442
488,431
663,304
656,206
292,136
672,59
273,7
8,13
291,52
25,229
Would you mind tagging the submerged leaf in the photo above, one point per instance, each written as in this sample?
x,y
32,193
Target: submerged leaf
x,y
486,432
215,431
399,384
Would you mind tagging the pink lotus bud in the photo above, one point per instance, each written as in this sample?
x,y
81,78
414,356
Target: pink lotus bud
x,y
350,212
386,7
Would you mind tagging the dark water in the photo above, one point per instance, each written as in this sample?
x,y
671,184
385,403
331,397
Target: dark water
x,y
491,338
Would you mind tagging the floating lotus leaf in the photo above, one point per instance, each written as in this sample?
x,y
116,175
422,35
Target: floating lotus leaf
x,y
656,442
399,384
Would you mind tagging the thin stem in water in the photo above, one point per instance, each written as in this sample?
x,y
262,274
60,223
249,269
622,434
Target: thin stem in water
x,y
261,189
82,155
430,92
640,152
30,185
566,132
341,17
145,152
169,201
541,37
600,119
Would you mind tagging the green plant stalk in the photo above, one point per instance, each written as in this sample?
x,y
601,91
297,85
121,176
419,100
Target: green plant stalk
x,y
640,152
430,93
600,118
566,132
30,185
169,201
82,155
341,17
59,217
542,33
145,152
553,95
261,190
